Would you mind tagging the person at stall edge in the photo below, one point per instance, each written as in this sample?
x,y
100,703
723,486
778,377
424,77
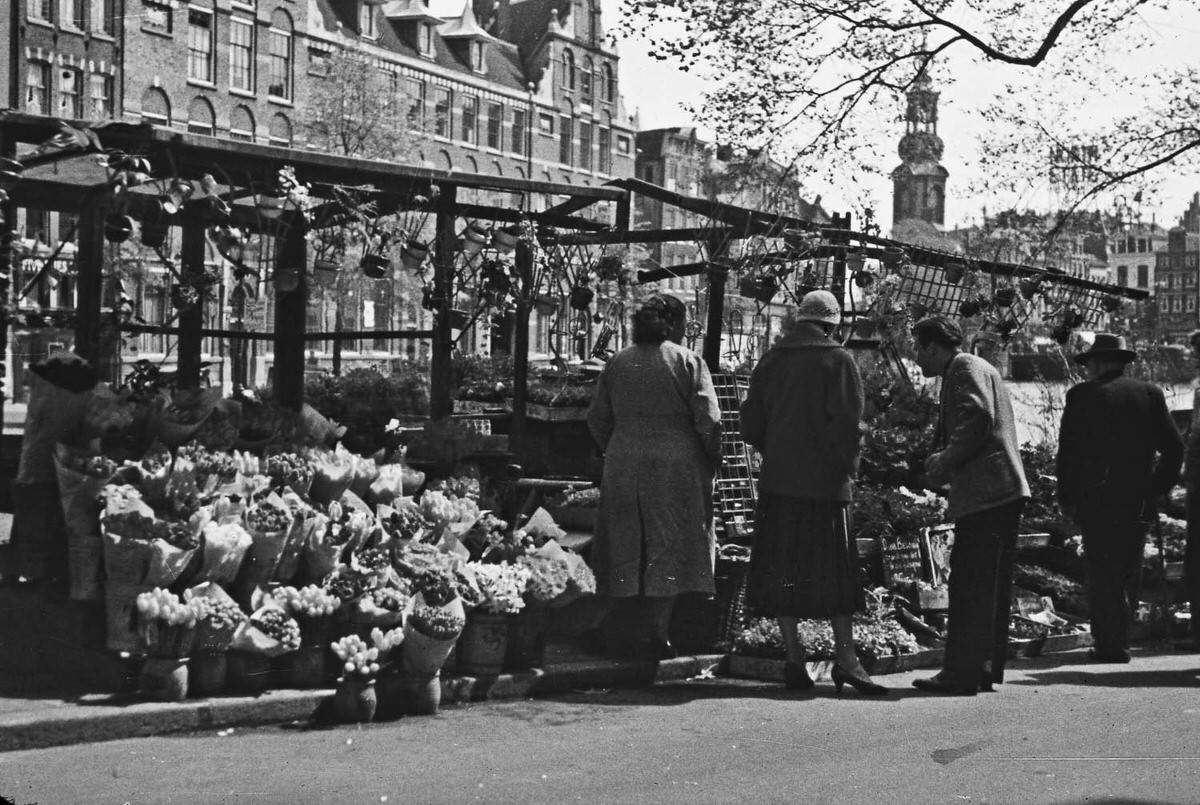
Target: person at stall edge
x,y
655,417
1118,450
1191,477
802,411
977,454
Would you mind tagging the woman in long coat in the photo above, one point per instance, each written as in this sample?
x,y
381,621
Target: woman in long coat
x,y
802,412
655,416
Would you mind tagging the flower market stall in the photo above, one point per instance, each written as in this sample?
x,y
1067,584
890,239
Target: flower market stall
x,y
346,529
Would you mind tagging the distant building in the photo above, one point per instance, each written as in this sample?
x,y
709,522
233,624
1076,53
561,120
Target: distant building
x,y
1177,281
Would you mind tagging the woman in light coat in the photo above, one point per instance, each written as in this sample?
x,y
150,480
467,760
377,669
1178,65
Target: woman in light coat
x,y
656,418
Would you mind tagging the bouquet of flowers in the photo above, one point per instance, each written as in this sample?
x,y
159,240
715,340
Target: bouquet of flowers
x,y
268,523
340,528
549,576
386,641
489,540
459,486
429,636
404,521
225,547
358,660
445,510
268,631
210,468
394,481
81,477
383,603
166,624
177,417
305,520
313,608
333,472
217,617
289,470
155,469
502,586
139,548
364,471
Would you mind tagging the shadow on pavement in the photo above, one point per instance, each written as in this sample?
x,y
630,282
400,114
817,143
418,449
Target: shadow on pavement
x,y
1127,677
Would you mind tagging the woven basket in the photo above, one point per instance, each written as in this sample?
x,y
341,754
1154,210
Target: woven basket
x,y
710,623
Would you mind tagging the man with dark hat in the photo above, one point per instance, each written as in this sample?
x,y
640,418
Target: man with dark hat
x,y
1118,450
978,456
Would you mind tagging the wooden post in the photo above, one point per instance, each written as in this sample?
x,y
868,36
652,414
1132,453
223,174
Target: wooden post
x,y
89,263
520,351
838,278
191,319
291,317
717,277
8,219
441,361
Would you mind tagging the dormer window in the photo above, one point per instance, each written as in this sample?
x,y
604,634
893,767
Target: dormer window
x,y
477,56
367,26
425,40
414,23
466,40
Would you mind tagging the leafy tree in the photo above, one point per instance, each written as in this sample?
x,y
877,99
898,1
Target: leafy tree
x,y
826,76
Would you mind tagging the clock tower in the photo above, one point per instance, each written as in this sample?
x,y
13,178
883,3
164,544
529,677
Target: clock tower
x,y
919,183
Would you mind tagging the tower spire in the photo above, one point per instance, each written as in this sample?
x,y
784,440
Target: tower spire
x,y
919,183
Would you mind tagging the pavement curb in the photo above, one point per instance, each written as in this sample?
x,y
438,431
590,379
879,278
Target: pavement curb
x,y
98,717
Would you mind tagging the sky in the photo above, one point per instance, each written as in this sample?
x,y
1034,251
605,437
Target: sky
x,y
657,90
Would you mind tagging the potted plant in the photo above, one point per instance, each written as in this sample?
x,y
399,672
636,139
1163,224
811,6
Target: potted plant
x,y
581,297
1110,304
892,256
118,227
1029,286
504,240
1004,296
325,270
954,271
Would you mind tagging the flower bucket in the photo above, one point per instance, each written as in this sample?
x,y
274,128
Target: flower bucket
x,y
526,637
355,701
325,271
164,679
206,674
304,667
483,643
413,255
120,616
421,655
248,672
317,631
85,568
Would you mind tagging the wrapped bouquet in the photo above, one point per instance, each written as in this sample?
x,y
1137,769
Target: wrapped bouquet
x,y
81,477
166,624
217,617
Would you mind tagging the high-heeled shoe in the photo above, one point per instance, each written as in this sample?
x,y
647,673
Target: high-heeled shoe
x,y
795,676
863,685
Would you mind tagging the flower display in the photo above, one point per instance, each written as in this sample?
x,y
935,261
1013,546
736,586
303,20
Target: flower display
x,y
443,509
405,522
502,587
386,641
357,657
289,469
392,599
275,624
217,614
208,463
160,604
268,518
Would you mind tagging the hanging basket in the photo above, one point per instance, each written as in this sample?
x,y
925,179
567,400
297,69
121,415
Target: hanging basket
x,y
326,271
504,240
581,297
892,256
1029,287
413,255
954,272
375,266
474,238
1004,297
118,228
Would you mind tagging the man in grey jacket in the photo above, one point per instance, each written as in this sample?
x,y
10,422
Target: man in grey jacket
x,y
978,456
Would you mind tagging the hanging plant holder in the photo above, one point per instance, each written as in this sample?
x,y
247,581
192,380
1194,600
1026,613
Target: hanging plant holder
x,y
973,307
1029,287
1110,304
459,319
184,297
474,237
1061,334
375,266
855,261
581,297
1072,319
413,255
154,233
1004,296
177,195
761,289
1006,328
608,267
505,240
325,271
287,279
495,277
118,228
954,272
892,256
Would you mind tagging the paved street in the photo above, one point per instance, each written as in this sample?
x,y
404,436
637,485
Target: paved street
x,y
1060,731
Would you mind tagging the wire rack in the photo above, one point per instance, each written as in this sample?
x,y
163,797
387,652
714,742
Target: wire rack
x,y
736,485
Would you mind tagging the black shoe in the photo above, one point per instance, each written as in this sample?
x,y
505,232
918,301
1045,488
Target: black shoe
x,y
795,676
946,686
1112,655
862,684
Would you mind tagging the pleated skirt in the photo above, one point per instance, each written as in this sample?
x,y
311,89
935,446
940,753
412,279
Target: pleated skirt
x,y
804,563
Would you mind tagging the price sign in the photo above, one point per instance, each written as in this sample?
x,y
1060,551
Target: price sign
x,y
901,560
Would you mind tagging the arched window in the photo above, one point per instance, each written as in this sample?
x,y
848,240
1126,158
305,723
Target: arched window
x,y
568,63
241,124
200,117
610,83
444,161
156,107
585,81
280,44
497,168
281,131
472,165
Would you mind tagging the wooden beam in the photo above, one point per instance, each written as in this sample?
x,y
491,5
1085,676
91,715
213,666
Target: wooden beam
x,y
716,306
441,359
523,258
291,318
89,261
689,235
486,213
215,332
193,251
